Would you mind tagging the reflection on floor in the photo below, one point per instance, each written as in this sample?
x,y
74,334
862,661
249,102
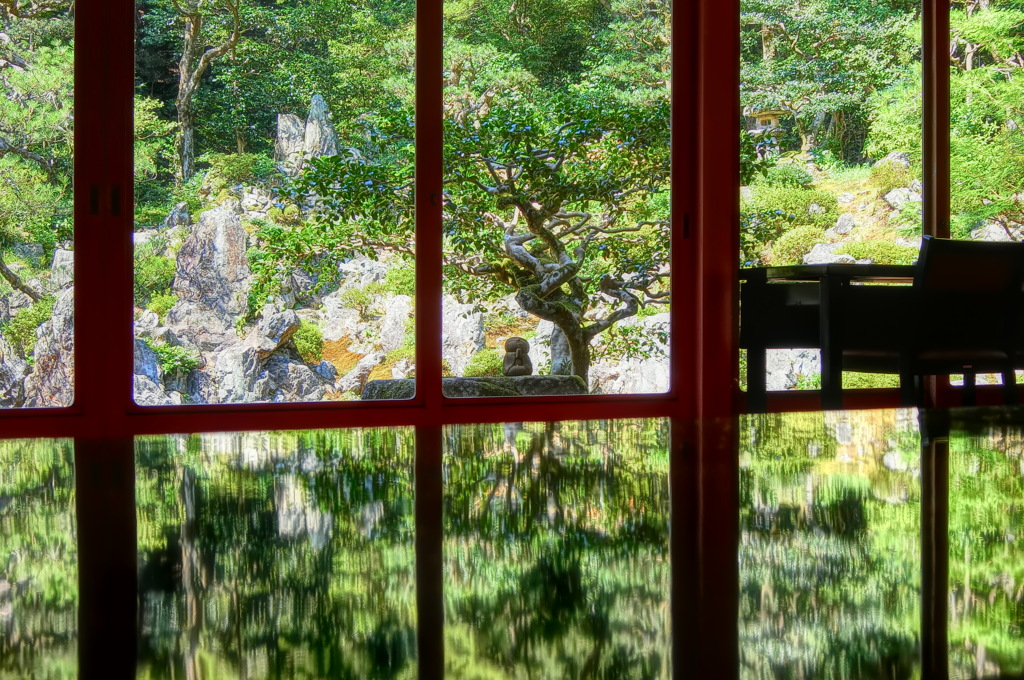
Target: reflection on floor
x,y
38,560
830,547
556,550
288,555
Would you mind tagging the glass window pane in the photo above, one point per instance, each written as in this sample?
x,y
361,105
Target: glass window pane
x,y
274,231
277,555
38,560
556,550
830,145
36,216
830,558
986,553
556,197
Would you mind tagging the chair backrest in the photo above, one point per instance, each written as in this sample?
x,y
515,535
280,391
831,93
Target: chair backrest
x,y
967,293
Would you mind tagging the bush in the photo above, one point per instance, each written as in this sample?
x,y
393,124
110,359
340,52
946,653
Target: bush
x,y
400,280
309,342
796,206
880,252
361,299
174,358
20,330
154,274
860,381
889,176
792,176
227,169
488,362
161,303
791,247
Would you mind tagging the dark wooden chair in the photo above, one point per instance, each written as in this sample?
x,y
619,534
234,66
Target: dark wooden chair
x,y
960,316
775,316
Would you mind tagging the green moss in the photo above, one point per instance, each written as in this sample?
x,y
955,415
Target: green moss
x,y
880,252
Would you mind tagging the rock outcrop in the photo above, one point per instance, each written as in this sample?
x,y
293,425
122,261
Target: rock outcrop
x,y
212,277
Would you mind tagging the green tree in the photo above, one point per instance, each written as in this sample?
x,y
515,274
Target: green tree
x,y
36,120
819,61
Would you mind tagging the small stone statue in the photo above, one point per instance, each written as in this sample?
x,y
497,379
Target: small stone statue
x,y
517,361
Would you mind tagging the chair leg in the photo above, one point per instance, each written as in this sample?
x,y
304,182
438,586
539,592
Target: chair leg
x,y
1010,386
970,394
909,392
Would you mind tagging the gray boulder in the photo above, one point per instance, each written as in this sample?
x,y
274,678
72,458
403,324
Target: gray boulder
x,y
996,232
272,332
147,363
824,253
291,133
784,367
211,280
149,393
319,138
392,327
845,224
236,376
527,385
51,383
355,379
178,217
12,376
62,271
900,158
293,380
899,196
463,334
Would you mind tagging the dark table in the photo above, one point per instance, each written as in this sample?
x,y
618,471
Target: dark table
x,y
799,307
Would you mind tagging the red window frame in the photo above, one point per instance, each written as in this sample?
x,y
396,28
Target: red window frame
x,y
702,401
104,419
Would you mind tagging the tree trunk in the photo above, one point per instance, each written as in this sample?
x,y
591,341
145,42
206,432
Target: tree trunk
x,y
185,144
16,281
561,355
567,315
193,64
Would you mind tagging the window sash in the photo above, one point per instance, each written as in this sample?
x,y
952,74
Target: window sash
x,y
103,265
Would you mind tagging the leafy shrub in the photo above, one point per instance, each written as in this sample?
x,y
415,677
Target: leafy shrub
x,y
20,330
880,252
400,281
161,303
889,176
757,229
791,247
798,206
174,358
227,169
485,363
153,274
309,341
792,176
859,381
361,298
